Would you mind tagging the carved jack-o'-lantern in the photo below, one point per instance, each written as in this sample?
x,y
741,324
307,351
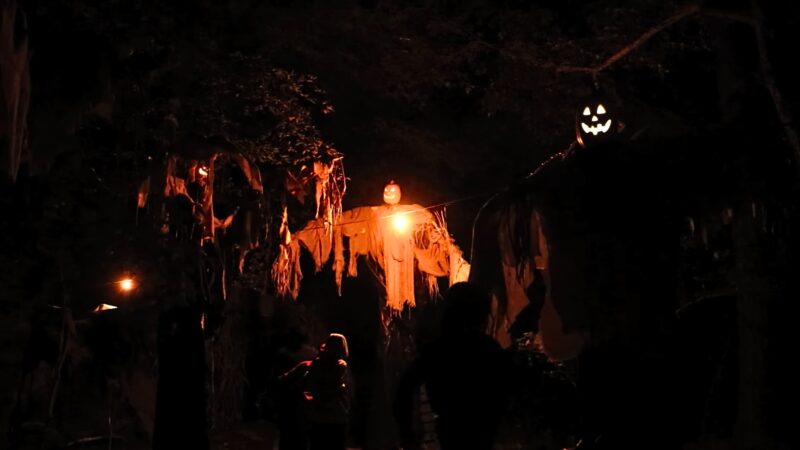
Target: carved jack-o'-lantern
x,y
391,193
594,123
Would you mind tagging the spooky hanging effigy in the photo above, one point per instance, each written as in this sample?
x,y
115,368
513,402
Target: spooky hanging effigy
x,y
178,172
579,252
398,238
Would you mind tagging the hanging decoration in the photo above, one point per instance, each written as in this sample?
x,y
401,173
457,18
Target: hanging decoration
x,y
173,178
330,184
190,175
595,122
399,238
177,173
572,254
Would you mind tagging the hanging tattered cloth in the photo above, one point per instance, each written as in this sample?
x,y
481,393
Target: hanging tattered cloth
x,y
395,237
172,177
398,224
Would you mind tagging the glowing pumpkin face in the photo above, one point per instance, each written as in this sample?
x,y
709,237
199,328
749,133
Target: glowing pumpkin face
x,y
391,193
594,123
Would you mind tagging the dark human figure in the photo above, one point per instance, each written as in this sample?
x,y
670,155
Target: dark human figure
x,y
327,394
290,412
527,320
465,374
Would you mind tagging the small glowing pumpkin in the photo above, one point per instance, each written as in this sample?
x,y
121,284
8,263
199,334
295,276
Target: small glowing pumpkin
x,y
392,193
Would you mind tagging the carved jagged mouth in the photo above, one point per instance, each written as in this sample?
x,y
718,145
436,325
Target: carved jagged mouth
x,y
596,129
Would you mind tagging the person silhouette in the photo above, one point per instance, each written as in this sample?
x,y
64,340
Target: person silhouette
x,y
295,355
465,374
327,394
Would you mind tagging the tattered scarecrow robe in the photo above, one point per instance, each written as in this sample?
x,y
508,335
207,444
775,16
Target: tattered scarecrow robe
x,y
397,238
597,226
171,179
174,176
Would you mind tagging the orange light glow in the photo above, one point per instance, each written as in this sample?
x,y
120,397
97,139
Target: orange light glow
x,y
400,223
202,171
126,284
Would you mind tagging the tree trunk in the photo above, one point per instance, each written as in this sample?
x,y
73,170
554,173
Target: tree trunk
x,y
181,400
14,87
756,290
227,352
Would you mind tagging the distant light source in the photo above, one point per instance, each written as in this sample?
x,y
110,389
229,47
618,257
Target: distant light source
x,y
400,223
202,171
126,284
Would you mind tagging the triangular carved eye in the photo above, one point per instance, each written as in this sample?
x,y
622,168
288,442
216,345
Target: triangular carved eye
x,y
587,111
601,109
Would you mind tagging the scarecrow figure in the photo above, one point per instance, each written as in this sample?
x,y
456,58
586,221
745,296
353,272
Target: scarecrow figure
x,y
397,237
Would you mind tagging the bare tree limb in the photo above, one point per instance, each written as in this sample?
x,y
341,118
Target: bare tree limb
x,y
730,15
755,21
93,439
673,19
769,82
595,70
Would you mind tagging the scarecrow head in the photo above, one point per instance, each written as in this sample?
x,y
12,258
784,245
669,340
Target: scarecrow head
x,y
392,193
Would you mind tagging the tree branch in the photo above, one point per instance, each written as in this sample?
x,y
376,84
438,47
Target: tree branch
x,y
755,21
730,15
769,81
673,19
